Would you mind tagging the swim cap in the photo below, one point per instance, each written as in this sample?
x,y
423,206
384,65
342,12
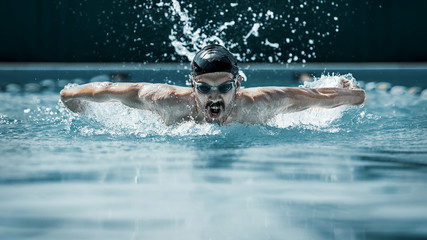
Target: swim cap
x,y
214,58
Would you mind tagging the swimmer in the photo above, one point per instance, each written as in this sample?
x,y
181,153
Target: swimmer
x,y
215,94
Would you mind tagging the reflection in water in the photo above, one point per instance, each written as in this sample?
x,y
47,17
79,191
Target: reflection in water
x,y
219,160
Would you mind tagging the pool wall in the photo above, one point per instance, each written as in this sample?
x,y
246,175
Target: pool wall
x,y
54,76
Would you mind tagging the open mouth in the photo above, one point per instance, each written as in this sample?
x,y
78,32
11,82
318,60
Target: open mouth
x,y
214,108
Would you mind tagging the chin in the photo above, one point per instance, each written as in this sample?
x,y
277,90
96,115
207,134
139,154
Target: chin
x,y
211,119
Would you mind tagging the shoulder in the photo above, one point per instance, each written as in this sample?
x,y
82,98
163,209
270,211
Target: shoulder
x,y
262,94
172,103
257,105
165,95
164,88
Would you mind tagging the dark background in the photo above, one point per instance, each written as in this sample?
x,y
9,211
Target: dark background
x,y
138,31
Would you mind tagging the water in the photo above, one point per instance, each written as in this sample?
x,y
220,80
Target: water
x,y
246,20
357,173
247,28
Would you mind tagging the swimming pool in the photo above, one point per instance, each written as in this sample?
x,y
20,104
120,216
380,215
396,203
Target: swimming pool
x,y
357,173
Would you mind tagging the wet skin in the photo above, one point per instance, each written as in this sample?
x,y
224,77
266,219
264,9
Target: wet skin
x,y
175,104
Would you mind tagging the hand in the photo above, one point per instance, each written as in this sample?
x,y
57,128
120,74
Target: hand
x,y
76,106
348,84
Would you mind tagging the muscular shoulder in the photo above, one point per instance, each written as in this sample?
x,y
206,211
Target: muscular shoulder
x,y
261,94
158,92
172,103
258,105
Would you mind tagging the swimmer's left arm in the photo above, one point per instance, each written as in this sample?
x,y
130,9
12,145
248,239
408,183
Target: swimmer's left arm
x,y
285,99
298,99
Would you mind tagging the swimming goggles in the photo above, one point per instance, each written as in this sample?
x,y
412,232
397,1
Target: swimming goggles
x,y
223,88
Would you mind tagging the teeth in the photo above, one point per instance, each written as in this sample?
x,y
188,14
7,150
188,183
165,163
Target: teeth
x,y
215,107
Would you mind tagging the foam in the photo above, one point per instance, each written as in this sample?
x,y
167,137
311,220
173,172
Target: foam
x,y
115,119
316,118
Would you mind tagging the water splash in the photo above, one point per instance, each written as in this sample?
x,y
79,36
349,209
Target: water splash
x,y
192,39
173,30
331,81
117,120
317,118
310,119
298,43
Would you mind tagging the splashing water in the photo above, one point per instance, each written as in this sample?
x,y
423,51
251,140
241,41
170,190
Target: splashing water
x,y
315,118
331,81
117,120
165,31
187,39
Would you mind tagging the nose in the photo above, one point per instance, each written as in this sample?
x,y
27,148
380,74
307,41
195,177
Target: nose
x,y
214,94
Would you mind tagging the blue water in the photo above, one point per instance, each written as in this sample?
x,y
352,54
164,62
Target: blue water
x,y
345,173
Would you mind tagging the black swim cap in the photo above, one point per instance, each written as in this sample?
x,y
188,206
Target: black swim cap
x,y
214,58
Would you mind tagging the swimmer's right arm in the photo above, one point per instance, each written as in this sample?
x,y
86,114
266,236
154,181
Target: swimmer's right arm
x,y
170,102
127,93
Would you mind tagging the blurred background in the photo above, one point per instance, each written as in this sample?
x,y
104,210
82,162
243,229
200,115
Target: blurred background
x,y
257,31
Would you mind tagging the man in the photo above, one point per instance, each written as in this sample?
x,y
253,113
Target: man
x,y
215,94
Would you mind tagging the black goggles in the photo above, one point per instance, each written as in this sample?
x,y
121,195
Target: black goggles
x,y
206,88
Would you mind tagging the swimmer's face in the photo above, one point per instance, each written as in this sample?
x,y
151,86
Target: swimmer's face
x,y
215,94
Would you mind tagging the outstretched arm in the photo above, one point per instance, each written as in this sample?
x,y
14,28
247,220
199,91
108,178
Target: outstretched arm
x,y
126,93
270,101
302,98
172,103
